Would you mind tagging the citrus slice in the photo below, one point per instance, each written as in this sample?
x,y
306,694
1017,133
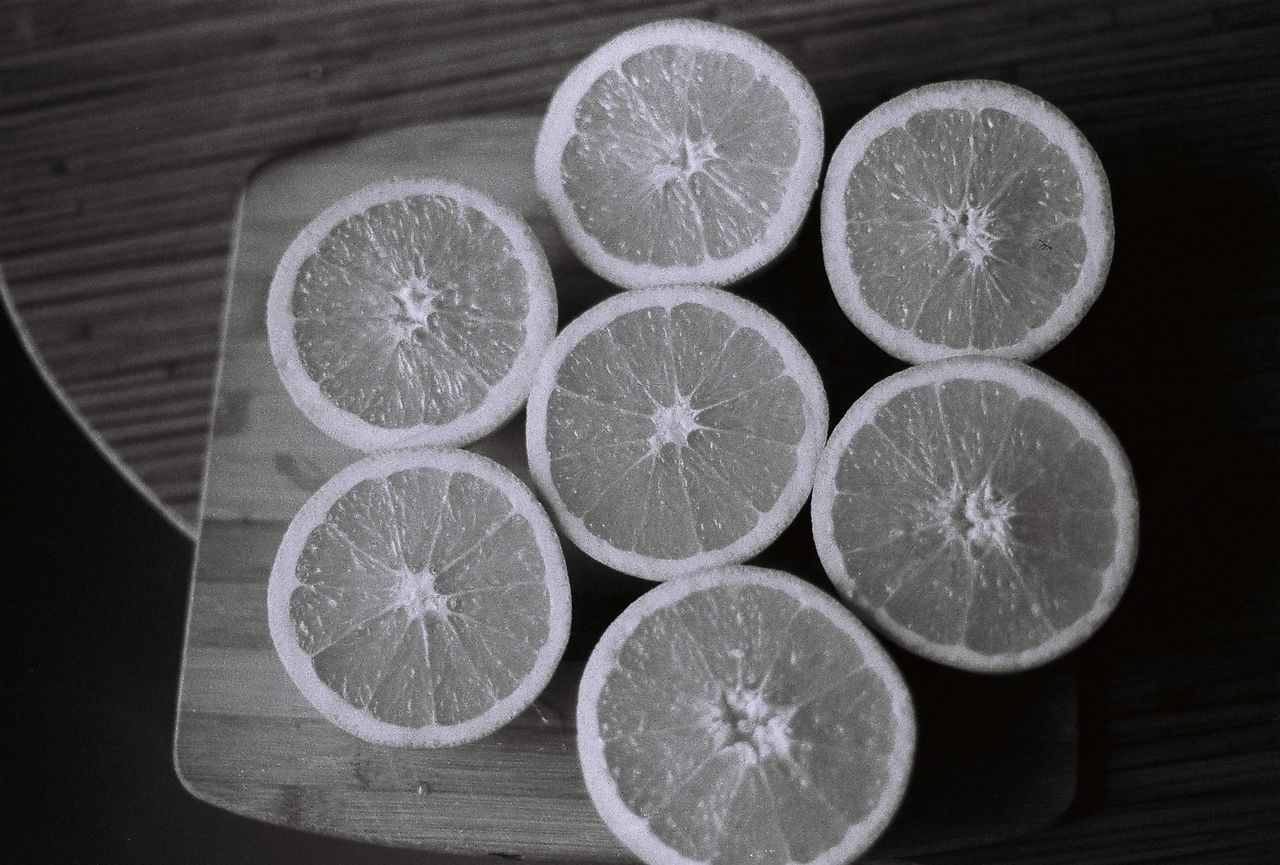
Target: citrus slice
x,y
411,312
674,429
978,513
680,152
742,715
968,217
419,598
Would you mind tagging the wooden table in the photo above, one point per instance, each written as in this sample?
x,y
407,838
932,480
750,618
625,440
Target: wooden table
x,y
127,130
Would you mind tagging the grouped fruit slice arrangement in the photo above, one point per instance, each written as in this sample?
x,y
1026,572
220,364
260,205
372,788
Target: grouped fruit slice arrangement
x,y
970,509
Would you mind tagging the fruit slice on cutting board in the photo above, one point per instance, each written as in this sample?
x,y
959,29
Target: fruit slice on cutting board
x,y
411,312
419,598
978,513
742,715
680,152
675,429
966,217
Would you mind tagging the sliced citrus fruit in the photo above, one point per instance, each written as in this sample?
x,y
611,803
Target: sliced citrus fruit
x,y
977,512
742,715
411,312
419,598
674,429
680,152
966,217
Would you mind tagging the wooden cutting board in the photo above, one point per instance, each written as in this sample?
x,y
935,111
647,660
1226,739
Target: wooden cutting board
x,y
997,755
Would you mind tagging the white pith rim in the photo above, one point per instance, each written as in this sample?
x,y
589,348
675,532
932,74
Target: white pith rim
x,y
283,581
1096,220
558,127
1026,382
632,829
501,402
771,523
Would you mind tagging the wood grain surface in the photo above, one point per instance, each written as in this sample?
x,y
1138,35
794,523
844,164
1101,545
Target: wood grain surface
x,y
128,128
248,742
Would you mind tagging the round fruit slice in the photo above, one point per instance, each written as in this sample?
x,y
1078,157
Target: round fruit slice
x,y
742,715
680,152
966,217
411,312
674,429
419,598
978,513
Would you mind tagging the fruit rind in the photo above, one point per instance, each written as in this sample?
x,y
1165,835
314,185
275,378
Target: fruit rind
x,y
630,828
1025,381
1097,220
501,402
283,581
558,128
771,524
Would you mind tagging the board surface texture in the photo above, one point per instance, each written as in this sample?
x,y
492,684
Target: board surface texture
x,y
997,755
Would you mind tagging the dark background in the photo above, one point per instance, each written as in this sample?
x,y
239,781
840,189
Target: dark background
x,y
96,585
1181,355
98,592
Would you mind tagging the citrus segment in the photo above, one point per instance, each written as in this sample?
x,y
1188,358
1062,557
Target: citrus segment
x,y
977,512
675,429
419,598
410,312
680,152
741,715
966,217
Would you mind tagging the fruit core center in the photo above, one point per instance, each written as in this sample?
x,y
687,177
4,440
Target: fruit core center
x,y
414,299
685,155
979,516
745,720
419,597
967,229
673,424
